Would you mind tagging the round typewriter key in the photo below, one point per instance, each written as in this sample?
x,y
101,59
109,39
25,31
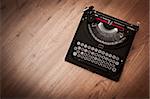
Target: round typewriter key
x,y
96,62
106,66
103,57
117,58
99,51
96,54
99,63
79,47
92,48
106,58
90,56
81,52
75,48
99,59
74,53
105,62
78,55
114,69
113,61
85,50
78,51
88,59
82,44
99,55
78,43
110,55
109,67
113,56
82,49
82,57
89,47
89,51
103,65
95,58
121,60
96,50
85,45
102,61
110,60
92,53
112,65
103,52
92,60
85,58
85,54
106,54
117,63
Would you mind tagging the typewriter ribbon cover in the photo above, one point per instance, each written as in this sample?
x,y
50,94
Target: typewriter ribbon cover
x,y
101,43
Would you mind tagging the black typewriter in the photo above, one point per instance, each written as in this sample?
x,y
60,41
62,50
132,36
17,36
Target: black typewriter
x,y
101,43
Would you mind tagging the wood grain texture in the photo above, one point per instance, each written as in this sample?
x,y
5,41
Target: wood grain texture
x,y
36,35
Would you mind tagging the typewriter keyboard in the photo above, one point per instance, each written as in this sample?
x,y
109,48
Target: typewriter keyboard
x,y
96,56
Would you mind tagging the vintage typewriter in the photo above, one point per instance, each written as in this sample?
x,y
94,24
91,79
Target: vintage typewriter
x,y
101,43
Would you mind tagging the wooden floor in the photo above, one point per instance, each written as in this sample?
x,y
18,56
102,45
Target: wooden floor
x,y
36,35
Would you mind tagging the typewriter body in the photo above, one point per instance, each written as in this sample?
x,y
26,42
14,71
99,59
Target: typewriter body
x,y
101,43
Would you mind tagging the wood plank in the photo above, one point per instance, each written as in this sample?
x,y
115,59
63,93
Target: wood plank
x,y
35,39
